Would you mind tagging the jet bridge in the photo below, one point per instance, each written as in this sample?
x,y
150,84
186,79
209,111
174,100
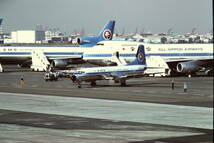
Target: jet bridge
x,y
39,61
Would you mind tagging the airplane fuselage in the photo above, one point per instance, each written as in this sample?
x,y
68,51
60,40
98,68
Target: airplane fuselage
x,y
20,54
169,52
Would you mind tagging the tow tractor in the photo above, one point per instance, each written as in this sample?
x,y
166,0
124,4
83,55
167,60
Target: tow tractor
x,y
51,76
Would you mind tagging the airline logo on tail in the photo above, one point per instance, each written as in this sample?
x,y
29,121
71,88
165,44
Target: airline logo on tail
x,y
141,57
107,34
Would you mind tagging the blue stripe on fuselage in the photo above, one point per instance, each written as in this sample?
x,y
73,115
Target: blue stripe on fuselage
x,y
107,55
107,72
63,53
15,53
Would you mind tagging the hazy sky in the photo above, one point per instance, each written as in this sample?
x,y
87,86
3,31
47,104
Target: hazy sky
x,y
151,15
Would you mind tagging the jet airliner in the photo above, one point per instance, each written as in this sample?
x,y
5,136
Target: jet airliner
x,y
181,58
60,57
121,73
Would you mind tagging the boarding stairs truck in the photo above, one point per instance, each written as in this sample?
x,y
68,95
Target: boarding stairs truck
x,y
117,59
1,69
39,61
160,66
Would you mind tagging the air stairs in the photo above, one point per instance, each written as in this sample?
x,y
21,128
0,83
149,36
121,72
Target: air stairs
x,y
156,66
117,59
1,68
39,61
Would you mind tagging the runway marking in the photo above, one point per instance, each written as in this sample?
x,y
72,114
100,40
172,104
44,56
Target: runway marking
x,y
163,114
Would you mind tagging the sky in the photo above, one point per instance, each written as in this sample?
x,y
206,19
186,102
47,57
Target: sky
x,y
155,16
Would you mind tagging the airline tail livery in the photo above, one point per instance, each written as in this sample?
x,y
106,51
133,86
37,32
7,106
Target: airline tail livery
x,y
105,34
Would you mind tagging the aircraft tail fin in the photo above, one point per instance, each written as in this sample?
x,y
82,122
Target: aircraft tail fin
x,y
140,57
107,32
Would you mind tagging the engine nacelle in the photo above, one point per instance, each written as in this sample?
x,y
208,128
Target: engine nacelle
x,y
60,63
187,67
84,40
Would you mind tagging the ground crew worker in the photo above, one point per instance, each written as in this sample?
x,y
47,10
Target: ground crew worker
x,y
185,87
173,85
21,82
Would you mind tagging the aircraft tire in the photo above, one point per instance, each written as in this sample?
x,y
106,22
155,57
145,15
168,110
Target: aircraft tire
x,y
123,83
93,83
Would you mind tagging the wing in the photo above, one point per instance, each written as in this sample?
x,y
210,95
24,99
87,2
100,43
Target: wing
x,y
119,75
75,57
89,77
101,76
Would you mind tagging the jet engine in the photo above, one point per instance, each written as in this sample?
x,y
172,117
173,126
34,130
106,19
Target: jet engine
x,y
59,63
187,67
84,40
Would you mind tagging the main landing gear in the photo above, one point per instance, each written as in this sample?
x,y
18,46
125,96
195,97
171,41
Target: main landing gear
x,y
123,83
93,84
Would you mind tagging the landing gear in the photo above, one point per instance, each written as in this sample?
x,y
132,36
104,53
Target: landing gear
x,y
93,83
172,73
79,85
123,82
209,72
191,74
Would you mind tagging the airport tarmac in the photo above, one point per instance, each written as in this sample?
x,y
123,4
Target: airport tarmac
x,y
146,110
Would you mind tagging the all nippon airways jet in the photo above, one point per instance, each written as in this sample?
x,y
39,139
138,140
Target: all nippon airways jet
x,y
120,73
105,34
181,58
60,56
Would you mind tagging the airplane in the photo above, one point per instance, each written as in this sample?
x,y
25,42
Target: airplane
x,y
181,58
134,69
39,57
105,34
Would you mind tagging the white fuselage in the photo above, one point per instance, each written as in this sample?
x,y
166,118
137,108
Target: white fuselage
x,y
169,52
110,69
21,53
110,72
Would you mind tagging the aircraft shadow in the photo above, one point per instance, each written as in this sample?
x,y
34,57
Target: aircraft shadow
x,y
153,84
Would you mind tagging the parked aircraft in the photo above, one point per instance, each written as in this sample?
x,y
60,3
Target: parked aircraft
x,y
40,57
105,34
181,58
120,73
